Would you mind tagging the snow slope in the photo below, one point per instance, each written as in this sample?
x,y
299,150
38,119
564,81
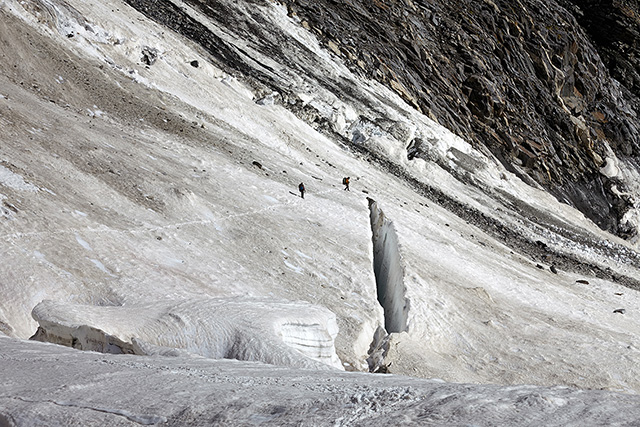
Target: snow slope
x,y
155,207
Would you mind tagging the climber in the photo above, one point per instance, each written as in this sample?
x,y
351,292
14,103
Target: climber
x,y
345,182
301,189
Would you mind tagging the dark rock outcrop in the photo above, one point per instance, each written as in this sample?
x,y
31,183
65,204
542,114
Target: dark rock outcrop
x,y
149,55
614,28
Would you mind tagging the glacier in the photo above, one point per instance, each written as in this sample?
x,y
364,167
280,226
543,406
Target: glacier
x,y
150,211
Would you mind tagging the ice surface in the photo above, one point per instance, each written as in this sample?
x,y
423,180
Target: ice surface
x,y
104,389
14,181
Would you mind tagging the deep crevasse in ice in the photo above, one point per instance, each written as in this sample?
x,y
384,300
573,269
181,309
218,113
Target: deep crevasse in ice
x,y
389,272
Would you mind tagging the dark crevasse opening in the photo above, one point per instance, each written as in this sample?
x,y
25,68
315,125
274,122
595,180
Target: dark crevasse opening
x,y
388,270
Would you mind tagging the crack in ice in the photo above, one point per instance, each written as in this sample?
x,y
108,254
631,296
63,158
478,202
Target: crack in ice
x,y
136,418
389,272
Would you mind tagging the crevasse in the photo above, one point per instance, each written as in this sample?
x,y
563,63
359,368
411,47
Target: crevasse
x,y
388,270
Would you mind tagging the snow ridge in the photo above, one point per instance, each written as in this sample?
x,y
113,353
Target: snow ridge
x,y
288,334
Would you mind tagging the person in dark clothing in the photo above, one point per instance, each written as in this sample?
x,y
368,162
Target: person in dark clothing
x,y
301,189
345,182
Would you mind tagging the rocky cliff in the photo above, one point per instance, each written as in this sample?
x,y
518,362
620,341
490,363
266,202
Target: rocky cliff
x,y
616,34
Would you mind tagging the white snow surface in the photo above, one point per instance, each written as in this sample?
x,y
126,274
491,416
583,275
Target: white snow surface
x,y
122,390
272,332
169,224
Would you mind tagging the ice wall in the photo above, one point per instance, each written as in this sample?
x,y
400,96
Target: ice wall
x,y
387,265
279,333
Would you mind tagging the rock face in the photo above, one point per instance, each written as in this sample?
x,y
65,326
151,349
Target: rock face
x,y
616,34
522,79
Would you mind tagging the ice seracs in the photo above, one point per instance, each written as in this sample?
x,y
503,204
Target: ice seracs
x,y
279,333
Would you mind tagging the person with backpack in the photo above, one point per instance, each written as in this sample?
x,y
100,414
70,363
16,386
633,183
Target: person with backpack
x,y
301,189
345,182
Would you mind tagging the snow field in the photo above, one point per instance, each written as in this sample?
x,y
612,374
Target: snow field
x,y
168,222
